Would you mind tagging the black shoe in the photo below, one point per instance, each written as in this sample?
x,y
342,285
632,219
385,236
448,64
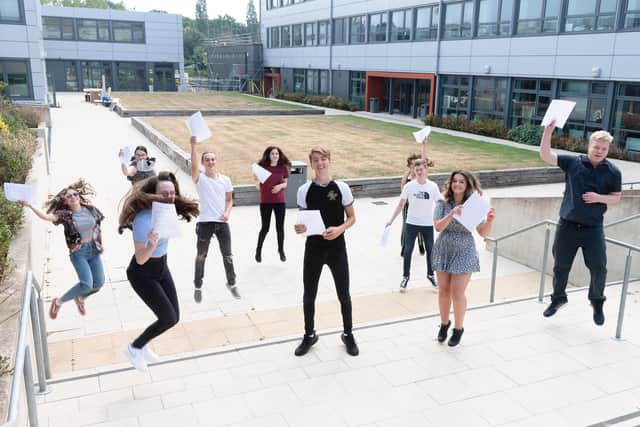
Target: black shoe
x,y
455,337
258,257
350,343
432,279
442,333
283,258
197,295
403,283
234,291
553,307
598,314
305,345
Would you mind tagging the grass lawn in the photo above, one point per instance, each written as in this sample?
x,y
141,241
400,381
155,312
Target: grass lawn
x,y
198,101
359,147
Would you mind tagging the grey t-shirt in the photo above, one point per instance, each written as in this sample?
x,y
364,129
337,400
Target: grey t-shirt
x,y
84,222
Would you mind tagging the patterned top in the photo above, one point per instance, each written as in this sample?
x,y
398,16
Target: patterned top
x,y
72,235
454,251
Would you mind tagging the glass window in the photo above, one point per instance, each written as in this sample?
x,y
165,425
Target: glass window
x,y
138,32
70,76
131,76
10,11
458,19
87,29
323,33
57,28
626,123
310,34
590,15
312,82
297,35
632,14
339,31
401,25
132,32
324,82
103,31
427,19
455,96
357,87
529,100
536,16
590,109
92,73
378,27
489,98
275,37
16,75
494,17
286,36
357,29
298,80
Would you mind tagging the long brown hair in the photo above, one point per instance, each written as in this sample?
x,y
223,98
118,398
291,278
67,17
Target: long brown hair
x,y
473,185
265,160
143,194
59,201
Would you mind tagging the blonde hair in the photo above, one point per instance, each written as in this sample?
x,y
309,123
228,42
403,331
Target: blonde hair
x,y
601,135
319,150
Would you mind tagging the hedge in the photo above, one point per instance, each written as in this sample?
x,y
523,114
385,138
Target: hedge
x,y
320,100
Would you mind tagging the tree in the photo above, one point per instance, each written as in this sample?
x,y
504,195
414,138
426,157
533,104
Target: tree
x,y
94,4
252,18
202,18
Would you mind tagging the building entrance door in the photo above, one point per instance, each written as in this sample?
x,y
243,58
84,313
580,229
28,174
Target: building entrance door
x,y
164,79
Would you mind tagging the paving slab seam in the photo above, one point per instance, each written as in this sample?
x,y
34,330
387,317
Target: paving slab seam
x,y
295,338
617,420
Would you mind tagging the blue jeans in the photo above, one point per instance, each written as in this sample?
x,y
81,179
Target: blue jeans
x,y
88,265
411,233
570,237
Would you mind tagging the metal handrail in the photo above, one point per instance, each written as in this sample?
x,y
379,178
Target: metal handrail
x,y
543,271
631,183
33,307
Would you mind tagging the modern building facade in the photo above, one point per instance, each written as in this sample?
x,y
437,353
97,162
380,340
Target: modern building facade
x,y
496,59
70,49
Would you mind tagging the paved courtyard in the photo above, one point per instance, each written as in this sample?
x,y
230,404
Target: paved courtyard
x,y
402,376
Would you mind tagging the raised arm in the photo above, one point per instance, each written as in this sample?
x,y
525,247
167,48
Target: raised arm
x,y
545,145
39,213
424,148
126,169
195,170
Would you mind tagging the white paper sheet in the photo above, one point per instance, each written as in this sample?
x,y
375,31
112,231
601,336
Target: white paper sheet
x,y
313,221
384,239
164,220
422,134
559,110
19,192
260,172
127,153
474,211
198,127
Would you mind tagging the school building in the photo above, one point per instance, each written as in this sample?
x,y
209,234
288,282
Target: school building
x,y
497,59
69,49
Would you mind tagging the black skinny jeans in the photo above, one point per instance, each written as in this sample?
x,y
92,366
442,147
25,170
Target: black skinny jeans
x,y
570,237
205,231
265,214
154,285
335,257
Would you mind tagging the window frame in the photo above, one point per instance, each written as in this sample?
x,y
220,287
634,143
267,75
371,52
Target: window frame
x,y
540,19
313,35
293,35
4,76
289,38
60,27
597,15
407,25
326,25
384,21
132,24
460,33
623,18
345,31
429,30
21,19
363,23
499,21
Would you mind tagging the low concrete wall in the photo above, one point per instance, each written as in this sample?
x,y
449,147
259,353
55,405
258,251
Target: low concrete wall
x,y
26,247
172,113
526,248
362,187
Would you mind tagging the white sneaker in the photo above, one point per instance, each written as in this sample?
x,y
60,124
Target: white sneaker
x,y
136,358
149,355
234,291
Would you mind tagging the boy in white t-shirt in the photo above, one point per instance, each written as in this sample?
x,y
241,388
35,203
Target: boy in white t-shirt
x,y
215,192
421,194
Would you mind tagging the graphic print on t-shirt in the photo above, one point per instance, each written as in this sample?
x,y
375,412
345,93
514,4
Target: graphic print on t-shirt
x,y
421,195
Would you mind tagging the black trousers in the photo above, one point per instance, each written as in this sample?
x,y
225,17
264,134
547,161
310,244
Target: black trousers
x,y
570,237
154,285
335,257
265,214
205,231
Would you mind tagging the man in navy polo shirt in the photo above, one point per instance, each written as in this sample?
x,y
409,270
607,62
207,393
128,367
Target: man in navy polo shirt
x,y
592,183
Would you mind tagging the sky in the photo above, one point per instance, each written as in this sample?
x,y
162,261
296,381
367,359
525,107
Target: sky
x,y
234,8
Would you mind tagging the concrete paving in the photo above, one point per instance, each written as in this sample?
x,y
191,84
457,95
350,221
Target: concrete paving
x,y
401,377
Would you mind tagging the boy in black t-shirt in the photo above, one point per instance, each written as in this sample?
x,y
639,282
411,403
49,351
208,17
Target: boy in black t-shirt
x,y
333,199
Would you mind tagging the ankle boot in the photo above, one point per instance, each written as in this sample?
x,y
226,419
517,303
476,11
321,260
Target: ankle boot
x,y
456,336
442,333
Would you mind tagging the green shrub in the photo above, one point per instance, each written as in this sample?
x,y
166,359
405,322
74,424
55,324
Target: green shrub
x,y
319,100
5,365
16,150
526,134
486,127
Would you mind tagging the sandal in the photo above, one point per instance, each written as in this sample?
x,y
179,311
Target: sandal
x,y
80,304
55,307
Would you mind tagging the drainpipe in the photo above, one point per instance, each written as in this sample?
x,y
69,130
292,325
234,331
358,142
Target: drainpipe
x,y
436,107
330,39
